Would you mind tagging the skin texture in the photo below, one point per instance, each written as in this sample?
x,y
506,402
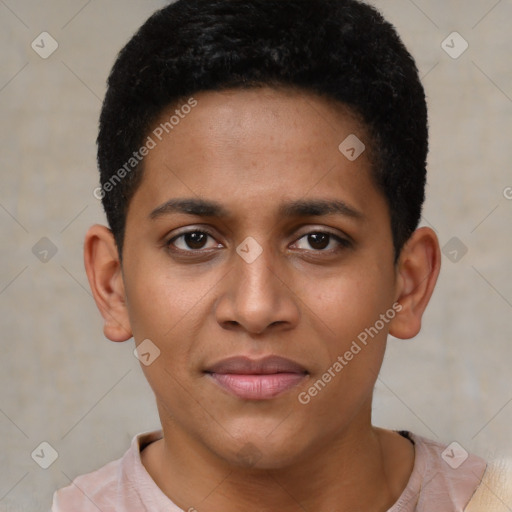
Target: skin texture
x,y
303,299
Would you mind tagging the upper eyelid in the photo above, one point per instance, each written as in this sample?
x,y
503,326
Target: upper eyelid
x,y
173,238
340,238
310,229
196,230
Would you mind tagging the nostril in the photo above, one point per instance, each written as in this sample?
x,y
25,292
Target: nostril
x,y
230,324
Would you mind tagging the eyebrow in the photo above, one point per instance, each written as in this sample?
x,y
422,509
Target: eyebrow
x,y
298,208
199,207
317,208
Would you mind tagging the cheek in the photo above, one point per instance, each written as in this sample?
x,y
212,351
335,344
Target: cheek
x,y
351,349
158,300
168,312
169,309
347,304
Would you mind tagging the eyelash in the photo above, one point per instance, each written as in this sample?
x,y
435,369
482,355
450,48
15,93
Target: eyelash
x,y
342,242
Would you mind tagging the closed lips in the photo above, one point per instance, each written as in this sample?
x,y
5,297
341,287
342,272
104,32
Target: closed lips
x,y
262,379
247,366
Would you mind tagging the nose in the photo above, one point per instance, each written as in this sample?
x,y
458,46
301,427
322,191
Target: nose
x,y
258,295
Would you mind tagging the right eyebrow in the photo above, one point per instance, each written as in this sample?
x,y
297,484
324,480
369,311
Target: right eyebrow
x,y
199,207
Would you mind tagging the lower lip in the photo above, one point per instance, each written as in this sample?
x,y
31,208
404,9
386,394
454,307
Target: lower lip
x,y
257,387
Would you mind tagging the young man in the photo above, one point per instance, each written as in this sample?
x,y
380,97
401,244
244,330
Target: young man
x,y
262,170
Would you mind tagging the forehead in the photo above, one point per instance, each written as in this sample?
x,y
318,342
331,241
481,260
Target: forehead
x,y
251,147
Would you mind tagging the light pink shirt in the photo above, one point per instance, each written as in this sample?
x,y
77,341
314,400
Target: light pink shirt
x,y
124,485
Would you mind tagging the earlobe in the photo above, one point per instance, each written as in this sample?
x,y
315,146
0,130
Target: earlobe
x,y
417,272
103,270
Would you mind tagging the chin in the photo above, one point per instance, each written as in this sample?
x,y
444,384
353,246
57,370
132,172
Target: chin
x,y
255,451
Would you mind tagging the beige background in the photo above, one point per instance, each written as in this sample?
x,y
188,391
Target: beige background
x,y
63,383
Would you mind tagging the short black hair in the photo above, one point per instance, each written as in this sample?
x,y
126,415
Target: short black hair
x,y
342,50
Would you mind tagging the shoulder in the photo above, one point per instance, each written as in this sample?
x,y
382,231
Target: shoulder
x,y
89,491
453,469
113,487
495,491
444,477
475,484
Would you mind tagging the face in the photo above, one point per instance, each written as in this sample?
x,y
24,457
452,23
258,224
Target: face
x,y
256,257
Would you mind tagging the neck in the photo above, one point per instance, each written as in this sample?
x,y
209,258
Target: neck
x,y
363,468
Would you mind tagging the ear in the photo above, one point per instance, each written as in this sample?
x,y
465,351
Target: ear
x,y
103,269
417,271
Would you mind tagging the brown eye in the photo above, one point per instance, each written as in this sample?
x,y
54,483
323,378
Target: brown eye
x,y
191,241
322,241
195,240
318,240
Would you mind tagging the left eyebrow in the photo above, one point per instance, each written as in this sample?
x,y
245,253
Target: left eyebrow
x,y
298,208
317,208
